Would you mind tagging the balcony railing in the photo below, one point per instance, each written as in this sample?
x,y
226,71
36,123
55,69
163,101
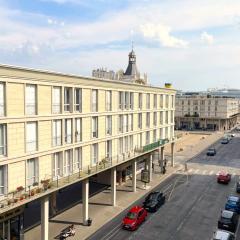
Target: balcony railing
x,y
49,184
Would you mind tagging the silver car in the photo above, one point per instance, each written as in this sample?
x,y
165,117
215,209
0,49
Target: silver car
x,y
223,235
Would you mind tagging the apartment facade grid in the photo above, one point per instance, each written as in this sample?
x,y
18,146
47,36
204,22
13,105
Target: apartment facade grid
x,y
53,125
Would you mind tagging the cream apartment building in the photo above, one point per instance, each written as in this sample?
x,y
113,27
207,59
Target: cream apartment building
x,y
59,129
206,112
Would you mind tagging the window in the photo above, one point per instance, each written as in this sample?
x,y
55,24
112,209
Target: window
x,y
68,130
120,145
130,118
2,99
140,120
56,100
121,100
155,119
139,140
32,171
127,100
166,132
148,101
131,100
3,140
77,163
31,136
126,144
57,132
131,142
161,101
108,100
94,100
108,125
67,99
68,163
148,119
109,149
94,127
120,123
57,164
161,133
147,138
166,117
94,159
30,99
125,123
155,101
161,118
172,100
140,100
78,100
3,180
78,129
154,135
167,101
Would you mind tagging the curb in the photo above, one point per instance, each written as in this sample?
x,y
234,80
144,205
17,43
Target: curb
x,y
163,178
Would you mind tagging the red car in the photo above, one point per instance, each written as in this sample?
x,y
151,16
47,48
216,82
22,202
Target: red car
x,y
134,218
224,177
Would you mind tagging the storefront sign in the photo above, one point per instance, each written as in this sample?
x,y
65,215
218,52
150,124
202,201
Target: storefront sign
x,y
151,146
145,176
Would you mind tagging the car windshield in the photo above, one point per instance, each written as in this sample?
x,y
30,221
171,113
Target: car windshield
x,y
227,214
152,197
232,202
211,150
131,215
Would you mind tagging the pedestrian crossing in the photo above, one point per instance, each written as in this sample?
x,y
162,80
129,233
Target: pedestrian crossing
x,y
208,172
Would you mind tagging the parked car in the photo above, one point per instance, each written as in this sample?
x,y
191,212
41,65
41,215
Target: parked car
x,y
211,152
154,201
238,186
134,218
223,235
225,141
233,204
233,135
228,220
224,177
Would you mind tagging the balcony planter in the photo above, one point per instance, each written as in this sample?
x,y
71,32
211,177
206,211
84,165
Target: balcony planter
x,y
39,190
45,183
15,200
32,193
20,189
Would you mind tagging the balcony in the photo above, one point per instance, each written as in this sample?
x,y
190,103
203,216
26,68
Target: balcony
x,y
49,184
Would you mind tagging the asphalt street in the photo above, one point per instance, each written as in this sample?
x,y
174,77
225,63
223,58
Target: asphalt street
x,y
194,201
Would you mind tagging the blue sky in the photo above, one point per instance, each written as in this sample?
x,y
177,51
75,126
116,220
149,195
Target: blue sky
x,y
194,44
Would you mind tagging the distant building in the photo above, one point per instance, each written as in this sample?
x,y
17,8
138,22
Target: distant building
x,y
226,92
130,75
103,73
197,111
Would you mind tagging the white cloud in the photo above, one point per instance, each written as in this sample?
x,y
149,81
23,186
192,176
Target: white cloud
x,y
162,34
207,38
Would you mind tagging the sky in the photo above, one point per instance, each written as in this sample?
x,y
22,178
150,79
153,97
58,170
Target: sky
x,y
193,44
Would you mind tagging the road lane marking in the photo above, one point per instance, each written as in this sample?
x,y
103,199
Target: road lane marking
x,y
204,172
211,173
112,232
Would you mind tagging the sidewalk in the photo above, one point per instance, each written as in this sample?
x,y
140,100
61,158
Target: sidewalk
x,y
100,209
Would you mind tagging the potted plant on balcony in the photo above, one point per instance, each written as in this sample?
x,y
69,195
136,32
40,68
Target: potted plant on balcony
x,y
20,189
32,193
45,183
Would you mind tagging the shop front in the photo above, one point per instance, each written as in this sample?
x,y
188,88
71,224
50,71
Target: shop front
x,y
11,225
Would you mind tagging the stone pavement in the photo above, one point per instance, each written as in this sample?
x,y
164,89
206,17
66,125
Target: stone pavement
x,y
100,209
